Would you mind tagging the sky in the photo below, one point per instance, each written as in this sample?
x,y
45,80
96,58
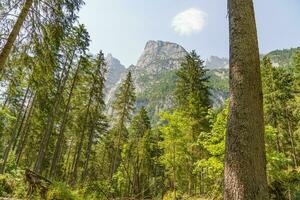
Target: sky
x,y
122,27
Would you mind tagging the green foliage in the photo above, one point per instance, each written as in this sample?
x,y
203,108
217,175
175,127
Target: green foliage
x,y
219,79
159,95
124,103
213,164
12,185
282,57
6,186
96,190
60,191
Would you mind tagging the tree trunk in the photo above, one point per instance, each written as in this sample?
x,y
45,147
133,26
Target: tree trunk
x,y
79,149
245,159
14,33
14,133
51,117
24,132
59,141
292,140
88,153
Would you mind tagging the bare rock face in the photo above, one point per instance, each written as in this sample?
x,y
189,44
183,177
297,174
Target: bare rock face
x,y
115,70
214,62
154,77
159,55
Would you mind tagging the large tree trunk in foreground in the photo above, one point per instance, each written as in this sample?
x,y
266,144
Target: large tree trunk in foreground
x,y
14,33
245,160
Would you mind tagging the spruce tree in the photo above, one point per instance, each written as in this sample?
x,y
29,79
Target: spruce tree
x,y
192,91
123,108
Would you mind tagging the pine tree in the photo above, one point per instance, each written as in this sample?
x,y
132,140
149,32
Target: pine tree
x,y
137,155
192,92
192,98
123,108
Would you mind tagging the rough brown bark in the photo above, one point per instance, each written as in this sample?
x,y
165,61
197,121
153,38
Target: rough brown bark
x,y
14,33
245,160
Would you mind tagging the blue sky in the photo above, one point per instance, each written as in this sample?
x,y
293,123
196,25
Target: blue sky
x,y
122,27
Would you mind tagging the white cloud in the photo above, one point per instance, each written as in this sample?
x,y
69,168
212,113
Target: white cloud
x,y
189,21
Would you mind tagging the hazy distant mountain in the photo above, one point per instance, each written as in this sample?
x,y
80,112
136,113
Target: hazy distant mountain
x,y
115,70
214,62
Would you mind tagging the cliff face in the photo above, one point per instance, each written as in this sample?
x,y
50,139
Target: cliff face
x,y
214,62
115,70
154,77
159,56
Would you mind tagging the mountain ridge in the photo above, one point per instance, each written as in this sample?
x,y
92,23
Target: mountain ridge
x,y
154,76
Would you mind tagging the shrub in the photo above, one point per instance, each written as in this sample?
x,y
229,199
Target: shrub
x,y
6,186
60,191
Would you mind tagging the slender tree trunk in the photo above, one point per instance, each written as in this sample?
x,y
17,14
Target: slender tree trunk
x,y
14,133
245,159
20,126
51,118
14,33
78,153
60,138
67,162
24,133
88,153
292,140
174,171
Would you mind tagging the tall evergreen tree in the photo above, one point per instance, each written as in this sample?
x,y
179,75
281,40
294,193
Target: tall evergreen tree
x,y
123,108
192,92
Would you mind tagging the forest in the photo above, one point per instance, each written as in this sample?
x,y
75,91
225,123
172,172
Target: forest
x,y
58,142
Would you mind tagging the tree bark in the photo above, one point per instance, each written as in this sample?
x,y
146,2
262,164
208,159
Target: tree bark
x,y
245,159
14,33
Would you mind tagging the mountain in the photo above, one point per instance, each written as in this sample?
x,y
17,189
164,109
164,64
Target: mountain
x,y
214,62
154,77
282,57
115,70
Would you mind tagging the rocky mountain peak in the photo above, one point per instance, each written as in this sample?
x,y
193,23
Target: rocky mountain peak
x,y
113,62
115,70
160,55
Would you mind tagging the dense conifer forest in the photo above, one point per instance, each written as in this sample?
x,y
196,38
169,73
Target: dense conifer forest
x,y
59,142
